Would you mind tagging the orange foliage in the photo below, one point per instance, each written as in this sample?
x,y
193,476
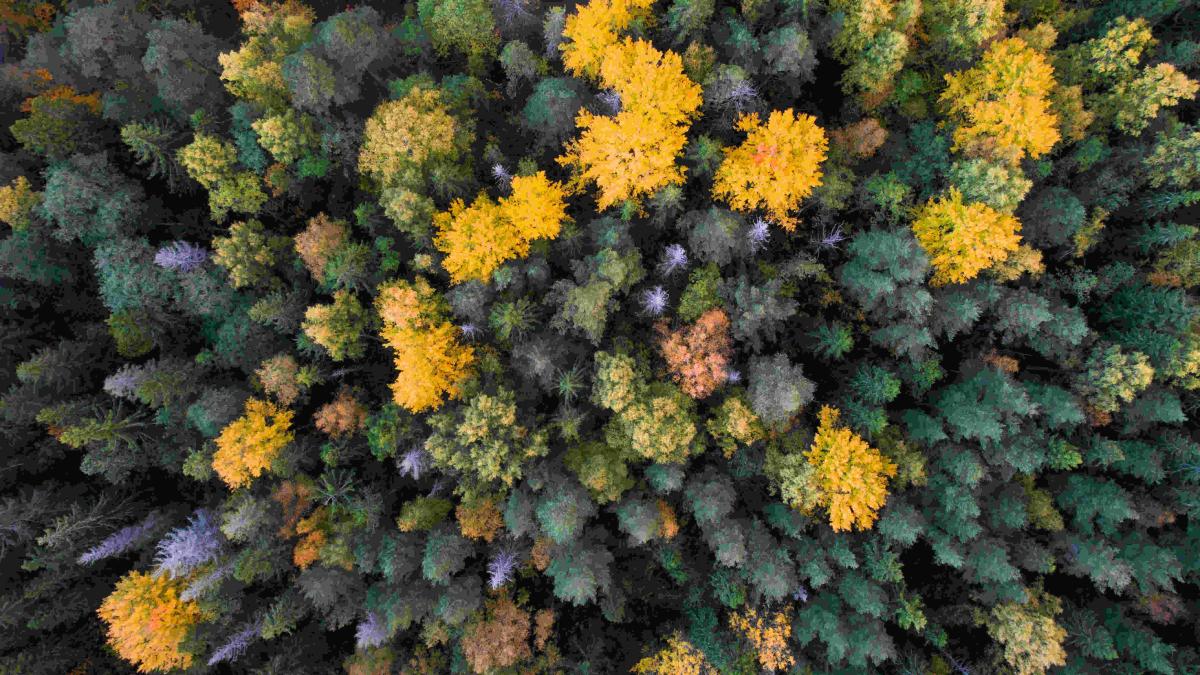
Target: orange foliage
x,y
852,476
698,355
278,377
316,244
294,498
775,168
344,415
148,622
250,443
501,640
543,628
860,139
479,518
668,524
769,637
539,555
65,93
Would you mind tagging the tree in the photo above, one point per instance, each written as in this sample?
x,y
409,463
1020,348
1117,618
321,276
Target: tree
x,y
778,390
1001,105
338,327
464,26
407,139
963,239
1033,642
431,363
501,640
769,637
251,443
479,238
255,71
148,623
592,29
698,355
632,154
484,442
212,162
248,253
17,201
679,657
1113,377
318,242
775,168
961,26
851,475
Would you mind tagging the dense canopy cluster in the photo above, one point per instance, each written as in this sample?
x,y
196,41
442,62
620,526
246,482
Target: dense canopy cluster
x,y
673,337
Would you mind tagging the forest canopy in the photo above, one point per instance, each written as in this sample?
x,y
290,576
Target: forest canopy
x,y
670,337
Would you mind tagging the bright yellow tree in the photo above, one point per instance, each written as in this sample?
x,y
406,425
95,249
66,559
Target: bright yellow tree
x,y
679,657
148,622
769,637
592,29
775,168
1002,105
479,238
431,363
851,475
250,443
632,154
963,239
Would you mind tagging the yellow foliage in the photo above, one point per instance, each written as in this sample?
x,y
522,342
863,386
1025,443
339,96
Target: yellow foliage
x,y
431,364
632,154
769,637
592,29
251,442
679,657
16,201
477,239
963,239
148,622
255,71
852,475
1032,639
1002,104
402,135
775,168
479,518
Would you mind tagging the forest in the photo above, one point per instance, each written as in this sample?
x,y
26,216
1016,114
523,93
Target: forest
x,y
665,337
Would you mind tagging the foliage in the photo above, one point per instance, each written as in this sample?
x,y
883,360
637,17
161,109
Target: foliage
x,y
775,168
963,239
851,476
250,443
148,623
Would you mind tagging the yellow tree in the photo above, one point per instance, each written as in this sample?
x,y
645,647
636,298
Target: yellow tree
x,y
1033,641
632,154
148,622
592,29
851,475
769,637
477,239
679,657
402,137
248,445
963,239
16,203
775,168
431,363
1002,105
